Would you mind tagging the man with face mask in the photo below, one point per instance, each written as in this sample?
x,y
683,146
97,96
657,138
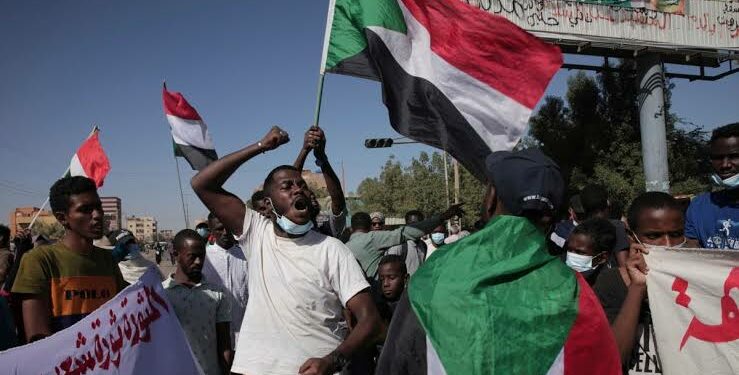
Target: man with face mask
x,y
203,230
299,279
225,265
589,246
127,252
656,220
712,220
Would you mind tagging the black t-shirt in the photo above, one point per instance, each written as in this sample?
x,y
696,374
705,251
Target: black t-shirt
x,y
404,352
611,291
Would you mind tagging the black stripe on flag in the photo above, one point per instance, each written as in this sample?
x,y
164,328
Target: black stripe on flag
x,y
198,158
420,111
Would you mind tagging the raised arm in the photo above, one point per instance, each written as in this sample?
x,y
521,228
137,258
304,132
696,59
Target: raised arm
x,y
318,139
383,239
625,325
307,146
208,183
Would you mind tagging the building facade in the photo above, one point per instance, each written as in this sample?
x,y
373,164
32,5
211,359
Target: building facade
x,y
21,217
112,213
143,227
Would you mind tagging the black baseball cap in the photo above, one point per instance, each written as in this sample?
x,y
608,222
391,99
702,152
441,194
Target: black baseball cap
x,y
120,236
525,180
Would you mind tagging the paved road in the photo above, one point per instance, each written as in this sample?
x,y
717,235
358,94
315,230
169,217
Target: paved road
x,y
165,266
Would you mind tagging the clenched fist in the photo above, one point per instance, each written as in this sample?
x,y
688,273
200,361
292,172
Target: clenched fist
x,y
275,138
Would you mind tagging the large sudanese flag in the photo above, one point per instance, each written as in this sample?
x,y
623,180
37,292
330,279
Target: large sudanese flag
x,y
90,160
453,76
496,302
190,136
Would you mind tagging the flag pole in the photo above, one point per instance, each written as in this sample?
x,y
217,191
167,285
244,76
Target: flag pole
x,y
36,215
324,55
182,195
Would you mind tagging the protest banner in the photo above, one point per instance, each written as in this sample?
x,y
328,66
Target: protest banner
x,y
136,332
693,297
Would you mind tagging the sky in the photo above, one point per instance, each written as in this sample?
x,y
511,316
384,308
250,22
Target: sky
x,y
245,66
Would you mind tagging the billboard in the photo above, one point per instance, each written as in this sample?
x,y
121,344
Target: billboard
x,y
695,25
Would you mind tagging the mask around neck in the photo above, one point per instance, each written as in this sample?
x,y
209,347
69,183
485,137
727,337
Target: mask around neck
x,y
729,183
288,225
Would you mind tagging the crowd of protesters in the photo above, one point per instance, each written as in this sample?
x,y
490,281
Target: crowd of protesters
x,y
262,288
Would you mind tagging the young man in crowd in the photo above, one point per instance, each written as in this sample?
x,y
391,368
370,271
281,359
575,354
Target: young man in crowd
x,y
369,245
413,252
595,204
6,257
203,309
127,252
655,219
524,191
225,265
393,278
62,283
712,220
315,140
299,279
377,220
589,247
435,239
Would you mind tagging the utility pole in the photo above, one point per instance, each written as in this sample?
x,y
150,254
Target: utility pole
x,y
651,101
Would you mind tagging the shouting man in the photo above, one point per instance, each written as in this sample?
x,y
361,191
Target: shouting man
x,y
299,279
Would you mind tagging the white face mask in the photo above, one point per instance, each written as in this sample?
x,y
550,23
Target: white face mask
x,y
729,183
437,238
681,244
579,262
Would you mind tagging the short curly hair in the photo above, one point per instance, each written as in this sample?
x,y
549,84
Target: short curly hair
x,y
66,187
726,131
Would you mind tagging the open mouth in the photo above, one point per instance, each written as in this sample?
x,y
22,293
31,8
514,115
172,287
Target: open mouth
x,y
301,204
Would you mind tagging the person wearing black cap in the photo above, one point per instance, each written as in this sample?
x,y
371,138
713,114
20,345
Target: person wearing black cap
x,y
127,253
521,185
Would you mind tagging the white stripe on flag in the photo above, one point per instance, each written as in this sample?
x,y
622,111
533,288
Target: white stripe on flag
x,y
190,132
499,120
433,363
558,367
75,167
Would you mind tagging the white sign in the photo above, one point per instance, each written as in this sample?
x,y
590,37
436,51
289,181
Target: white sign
x,y
693,296
137,332
706,24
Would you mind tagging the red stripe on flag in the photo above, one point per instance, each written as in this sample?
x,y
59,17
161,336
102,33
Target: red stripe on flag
x,y
590,347
176,105
93,160
489,48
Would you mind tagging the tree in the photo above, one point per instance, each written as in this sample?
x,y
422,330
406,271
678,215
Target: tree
x,y
593,134
420,185
52,231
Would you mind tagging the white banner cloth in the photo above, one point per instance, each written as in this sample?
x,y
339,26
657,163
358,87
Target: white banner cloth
x,y
693,296
136,332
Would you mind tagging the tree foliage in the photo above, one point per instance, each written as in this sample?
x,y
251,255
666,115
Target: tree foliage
x,y
419,186
593,133
52,231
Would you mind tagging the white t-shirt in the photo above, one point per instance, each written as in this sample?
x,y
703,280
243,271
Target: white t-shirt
x,y
297,289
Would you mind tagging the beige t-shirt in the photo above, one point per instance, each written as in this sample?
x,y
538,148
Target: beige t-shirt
x,y
297,289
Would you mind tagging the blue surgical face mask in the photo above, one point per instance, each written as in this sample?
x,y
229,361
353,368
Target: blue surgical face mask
x,y
437,238
288,225
203,232
729,183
